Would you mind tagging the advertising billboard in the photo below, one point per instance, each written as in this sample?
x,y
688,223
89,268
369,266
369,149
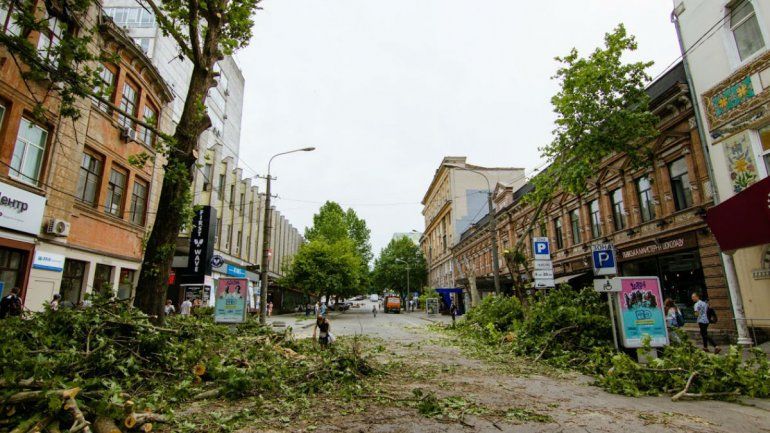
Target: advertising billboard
x,y
641,312
230,304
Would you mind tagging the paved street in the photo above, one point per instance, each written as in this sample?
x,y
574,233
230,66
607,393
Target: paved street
x,y
515,396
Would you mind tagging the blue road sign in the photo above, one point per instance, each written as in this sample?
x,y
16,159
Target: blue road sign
x,y
542,248
604,259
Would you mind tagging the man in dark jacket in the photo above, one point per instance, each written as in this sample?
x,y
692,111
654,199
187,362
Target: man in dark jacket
x,y
11,305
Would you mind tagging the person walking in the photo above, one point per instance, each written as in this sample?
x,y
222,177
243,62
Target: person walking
x,y
322,310
674,318
169,308
10,305
374,311
54,304
269,308
185,308
702,308
323,330
453,312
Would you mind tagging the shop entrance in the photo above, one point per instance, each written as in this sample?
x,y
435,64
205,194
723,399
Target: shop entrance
x,y
72,282
681,274
12,265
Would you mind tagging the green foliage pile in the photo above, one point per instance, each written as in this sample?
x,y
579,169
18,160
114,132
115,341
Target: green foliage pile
x,y
115,356
571,329
559,326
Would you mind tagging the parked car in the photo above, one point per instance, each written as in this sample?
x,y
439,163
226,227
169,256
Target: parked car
x,y
341,306
374,298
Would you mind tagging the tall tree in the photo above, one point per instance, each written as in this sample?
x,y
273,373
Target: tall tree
x,y
206,32
390,267
327,268
602,109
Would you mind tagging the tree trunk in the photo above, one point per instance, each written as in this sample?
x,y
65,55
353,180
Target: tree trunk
x,y
475,298
174,204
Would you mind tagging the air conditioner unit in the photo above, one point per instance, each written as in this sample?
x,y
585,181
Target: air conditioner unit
x,y
128,134
58,227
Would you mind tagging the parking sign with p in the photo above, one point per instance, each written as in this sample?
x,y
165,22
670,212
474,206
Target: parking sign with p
x,y
542,248
604,259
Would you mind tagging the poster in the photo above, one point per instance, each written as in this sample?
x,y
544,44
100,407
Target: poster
x,y
230,305
641,312
740,162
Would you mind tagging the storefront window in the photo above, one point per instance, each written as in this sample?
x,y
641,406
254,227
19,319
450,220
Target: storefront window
x,y
72,282
126,284
680,276
11,264
103,279
644,192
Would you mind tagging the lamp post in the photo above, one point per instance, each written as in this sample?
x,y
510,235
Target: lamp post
x,y
266,227
492,226
407,274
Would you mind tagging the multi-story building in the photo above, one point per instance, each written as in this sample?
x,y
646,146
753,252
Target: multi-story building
x,y
225,100
240,209
654,216
455,199
725,47
78,210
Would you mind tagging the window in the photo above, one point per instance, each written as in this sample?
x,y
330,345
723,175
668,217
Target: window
x,y
88,180
105,88
574,220
144,44
72,282
680,184
207,177
222,84
217,124
217,99
27,159
646,204
138,202
229,236
745,28
8,20
115,190
132,17
596,219
241,204
222,187
764,138
232,196
50,38
238,242
103,279
126,284
128,105
150,117
618,209
559,234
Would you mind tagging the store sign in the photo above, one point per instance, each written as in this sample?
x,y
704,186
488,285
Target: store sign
x,y
21,210
230,304
235,271
48,261
660,246
641,312
201,245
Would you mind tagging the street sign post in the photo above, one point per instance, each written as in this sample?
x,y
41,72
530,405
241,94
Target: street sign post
x,y
607,285
604,259
543,272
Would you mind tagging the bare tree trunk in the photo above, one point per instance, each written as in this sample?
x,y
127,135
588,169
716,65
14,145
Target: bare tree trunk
x,y
475,298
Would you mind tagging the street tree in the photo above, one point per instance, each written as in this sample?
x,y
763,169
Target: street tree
x,y
332,223
390,267
602,109
323,267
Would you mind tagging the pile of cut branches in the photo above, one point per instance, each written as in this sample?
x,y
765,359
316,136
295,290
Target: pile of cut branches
x,y
106,368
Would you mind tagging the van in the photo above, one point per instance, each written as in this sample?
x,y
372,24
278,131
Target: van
x,y
374,298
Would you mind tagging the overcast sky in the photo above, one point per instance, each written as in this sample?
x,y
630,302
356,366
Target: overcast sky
x,y
385,89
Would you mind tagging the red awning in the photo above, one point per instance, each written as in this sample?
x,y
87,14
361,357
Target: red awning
x,y
743,220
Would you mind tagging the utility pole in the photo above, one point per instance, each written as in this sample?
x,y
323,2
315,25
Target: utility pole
x,y
266,230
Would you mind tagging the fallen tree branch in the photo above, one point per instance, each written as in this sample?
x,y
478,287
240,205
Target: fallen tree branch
x,y
138,419
551,338
80,423
24,396
681,393
207,394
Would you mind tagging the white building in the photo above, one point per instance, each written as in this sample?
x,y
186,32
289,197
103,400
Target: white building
x,y
725,46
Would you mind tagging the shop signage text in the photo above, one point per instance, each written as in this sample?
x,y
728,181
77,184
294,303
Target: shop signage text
x,y
21,210
660,246
235,271
48,261
201,245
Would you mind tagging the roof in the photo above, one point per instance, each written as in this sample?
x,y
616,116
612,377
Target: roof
x,y
662,86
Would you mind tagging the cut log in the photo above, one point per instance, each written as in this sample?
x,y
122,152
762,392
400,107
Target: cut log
x,y
141,418
40,425
27,424
24,396
207,394
146,427
80,423
105,425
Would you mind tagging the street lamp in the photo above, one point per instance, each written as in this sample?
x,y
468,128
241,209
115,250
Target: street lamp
x,y
266,237
492,225
407,274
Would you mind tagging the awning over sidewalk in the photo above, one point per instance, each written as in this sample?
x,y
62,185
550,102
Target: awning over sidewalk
x,y
566,278
743,220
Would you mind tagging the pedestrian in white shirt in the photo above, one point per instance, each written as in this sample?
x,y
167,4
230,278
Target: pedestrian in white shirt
x,y
185,308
